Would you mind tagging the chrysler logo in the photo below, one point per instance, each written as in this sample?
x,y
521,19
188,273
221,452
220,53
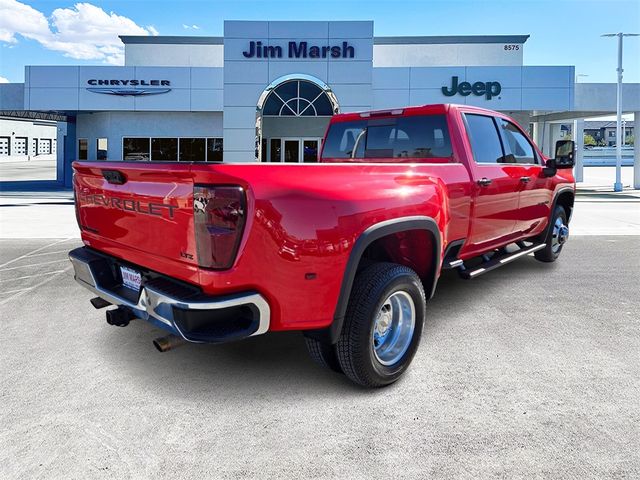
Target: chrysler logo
x,y
128,87
124,92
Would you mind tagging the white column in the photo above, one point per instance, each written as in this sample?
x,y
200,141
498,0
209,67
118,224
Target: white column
x,y
60,150
617,187
546,139
551,136
636,151
535,135
578,137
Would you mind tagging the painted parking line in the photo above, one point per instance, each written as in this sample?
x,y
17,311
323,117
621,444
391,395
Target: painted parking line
x,y
35,251
48,253
30,276
14,291
34,265
38,285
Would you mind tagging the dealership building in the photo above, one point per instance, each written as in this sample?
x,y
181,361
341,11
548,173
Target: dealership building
x,y
265,91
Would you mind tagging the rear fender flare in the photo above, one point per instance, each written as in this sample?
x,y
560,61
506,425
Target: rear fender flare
x,y
332,333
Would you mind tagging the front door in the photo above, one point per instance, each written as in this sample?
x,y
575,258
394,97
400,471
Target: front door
x,y
293,150
535,193
310,149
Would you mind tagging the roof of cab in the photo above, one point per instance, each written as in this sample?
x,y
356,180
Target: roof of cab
x,y
432,109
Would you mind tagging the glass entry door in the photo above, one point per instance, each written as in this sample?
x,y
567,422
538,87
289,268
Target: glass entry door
x,y
310,150
293,150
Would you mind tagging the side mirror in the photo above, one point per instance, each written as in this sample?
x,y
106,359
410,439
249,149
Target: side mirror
x,y
550,168
564,154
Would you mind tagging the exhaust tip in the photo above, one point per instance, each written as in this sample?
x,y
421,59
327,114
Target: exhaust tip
x,y
164,344
158,345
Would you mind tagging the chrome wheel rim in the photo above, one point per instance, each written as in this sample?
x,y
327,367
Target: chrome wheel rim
x,y
559,236
393,328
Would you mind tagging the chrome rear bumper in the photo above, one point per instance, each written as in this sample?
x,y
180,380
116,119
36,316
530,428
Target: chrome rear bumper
x,y
162,301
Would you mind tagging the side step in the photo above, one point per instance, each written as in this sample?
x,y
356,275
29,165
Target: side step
x,y
498,260
456,263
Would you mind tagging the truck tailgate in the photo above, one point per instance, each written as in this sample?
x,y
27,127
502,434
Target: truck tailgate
x,y
129,207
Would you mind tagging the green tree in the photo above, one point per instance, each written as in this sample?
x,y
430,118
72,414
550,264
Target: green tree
x,y
589,140
630,140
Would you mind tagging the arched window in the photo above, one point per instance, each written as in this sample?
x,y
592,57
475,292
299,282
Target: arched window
x,y
297,98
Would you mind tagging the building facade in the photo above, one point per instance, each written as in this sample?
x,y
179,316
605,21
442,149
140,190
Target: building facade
x,y
604,132
25,139
265,90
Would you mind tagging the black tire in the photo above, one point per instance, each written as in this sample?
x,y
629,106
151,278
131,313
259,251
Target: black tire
x,y
371,288
323,354
547,254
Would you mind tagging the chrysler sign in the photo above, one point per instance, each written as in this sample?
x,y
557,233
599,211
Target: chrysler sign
x,y
128,87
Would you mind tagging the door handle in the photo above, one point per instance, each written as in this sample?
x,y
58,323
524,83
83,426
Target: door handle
x,y
484,182
525,179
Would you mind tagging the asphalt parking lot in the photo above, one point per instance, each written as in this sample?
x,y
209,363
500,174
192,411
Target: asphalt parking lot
x,y
33,169
529,371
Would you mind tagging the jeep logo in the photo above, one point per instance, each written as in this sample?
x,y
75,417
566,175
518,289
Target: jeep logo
x,y
488,89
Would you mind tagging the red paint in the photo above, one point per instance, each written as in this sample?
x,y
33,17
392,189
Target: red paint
x,y
303,219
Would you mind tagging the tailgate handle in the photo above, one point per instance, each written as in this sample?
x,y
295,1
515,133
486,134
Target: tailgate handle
x,y
114,176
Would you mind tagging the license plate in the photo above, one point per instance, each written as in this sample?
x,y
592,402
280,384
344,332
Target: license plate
x,y
130,278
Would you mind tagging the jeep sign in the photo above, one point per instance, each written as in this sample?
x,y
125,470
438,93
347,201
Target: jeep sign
x,y
488,89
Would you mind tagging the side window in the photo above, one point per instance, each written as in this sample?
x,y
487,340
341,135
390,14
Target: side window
x,y
101,148
516,144
83,148
136,149
484,139
164,149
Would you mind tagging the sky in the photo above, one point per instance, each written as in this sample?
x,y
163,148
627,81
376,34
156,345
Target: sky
x,y
563,32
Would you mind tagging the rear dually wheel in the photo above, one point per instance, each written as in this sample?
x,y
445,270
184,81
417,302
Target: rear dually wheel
x,y
383,324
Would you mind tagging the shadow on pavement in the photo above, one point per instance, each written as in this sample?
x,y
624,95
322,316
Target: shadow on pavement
x,y
278,362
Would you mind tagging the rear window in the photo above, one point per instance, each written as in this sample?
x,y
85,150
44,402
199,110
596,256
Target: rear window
x,y
425,136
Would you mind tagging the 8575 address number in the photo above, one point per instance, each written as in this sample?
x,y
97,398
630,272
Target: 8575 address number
x,y
512,47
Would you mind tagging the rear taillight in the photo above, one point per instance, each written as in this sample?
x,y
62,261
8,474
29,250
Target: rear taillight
x,y
219,214
76,207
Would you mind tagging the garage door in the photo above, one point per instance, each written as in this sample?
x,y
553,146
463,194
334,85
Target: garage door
x,y
20,146
44,146
4,146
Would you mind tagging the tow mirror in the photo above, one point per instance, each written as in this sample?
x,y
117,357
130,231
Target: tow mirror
x,y
550,169
564,154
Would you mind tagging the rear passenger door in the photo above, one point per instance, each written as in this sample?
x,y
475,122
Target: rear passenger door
x,y
494,213
535,194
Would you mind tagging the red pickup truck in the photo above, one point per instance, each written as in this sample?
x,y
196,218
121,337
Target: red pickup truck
x,y
347,250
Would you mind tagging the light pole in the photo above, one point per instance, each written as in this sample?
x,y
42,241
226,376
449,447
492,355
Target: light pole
x,y
617,187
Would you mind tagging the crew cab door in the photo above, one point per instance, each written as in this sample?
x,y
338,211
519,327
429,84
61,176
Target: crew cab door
x,y
494,213
535,192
